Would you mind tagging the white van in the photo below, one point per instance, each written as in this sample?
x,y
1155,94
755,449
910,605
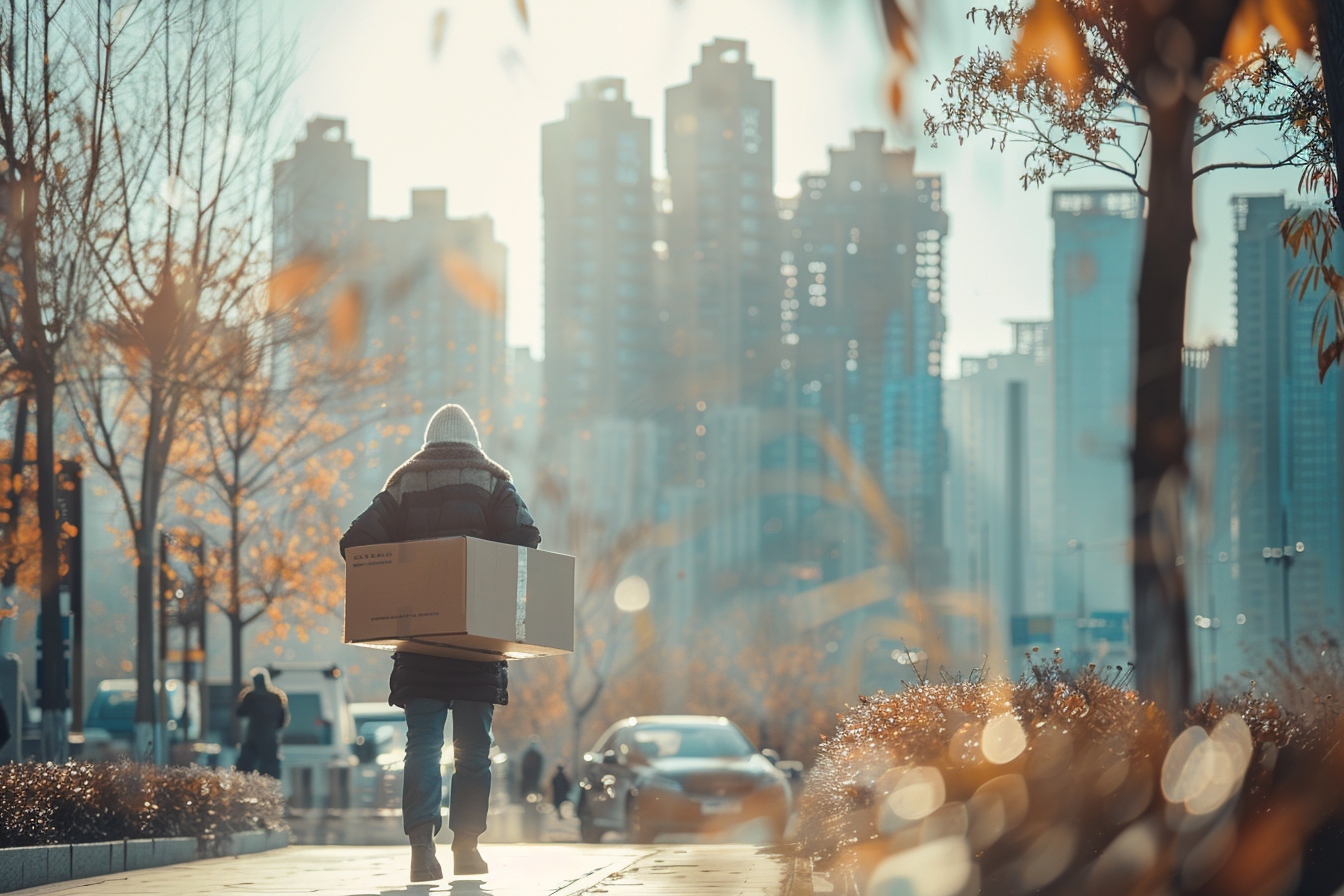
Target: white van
x,y
317,755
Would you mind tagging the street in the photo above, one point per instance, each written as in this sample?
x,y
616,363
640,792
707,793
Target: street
x,y
516,870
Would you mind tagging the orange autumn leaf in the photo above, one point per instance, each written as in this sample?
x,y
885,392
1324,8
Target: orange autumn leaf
x,y
345,318
1049,32
439,30
295,280
478,288
1243,35
900,28
1292,19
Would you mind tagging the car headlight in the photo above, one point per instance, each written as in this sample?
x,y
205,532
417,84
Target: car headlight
x,y
658,782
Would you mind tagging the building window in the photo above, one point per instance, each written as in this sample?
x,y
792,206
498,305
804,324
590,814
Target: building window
x,y
751,130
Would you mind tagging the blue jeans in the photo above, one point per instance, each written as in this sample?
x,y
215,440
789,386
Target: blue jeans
x,y
422,782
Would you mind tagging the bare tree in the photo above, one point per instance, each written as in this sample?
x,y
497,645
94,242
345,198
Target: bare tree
x,y
189,173
59,66
265,450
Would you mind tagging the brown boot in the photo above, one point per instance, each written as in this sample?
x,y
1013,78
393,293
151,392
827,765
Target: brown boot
x,y
467,859
424,866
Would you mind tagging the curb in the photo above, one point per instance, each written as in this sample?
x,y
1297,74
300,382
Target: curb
x,y
799,881
22,867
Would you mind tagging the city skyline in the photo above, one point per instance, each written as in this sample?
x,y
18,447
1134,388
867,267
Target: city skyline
x,y
733,469
602,136
828,62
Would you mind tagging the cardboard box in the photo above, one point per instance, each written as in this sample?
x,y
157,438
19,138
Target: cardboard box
x,y
460,597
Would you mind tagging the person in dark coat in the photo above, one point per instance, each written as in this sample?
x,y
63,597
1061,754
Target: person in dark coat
x,y
530,780
267,712
450,487
560,785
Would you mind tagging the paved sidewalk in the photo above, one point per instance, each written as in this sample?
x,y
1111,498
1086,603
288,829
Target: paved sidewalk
x,y
515,870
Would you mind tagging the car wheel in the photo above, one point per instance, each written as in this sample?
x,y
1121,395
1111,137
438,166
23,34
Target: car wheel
x,y
636,831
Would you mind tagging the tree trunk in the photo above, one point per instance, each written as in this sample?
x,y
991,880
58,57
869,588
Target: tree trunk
x,y
235,617
150,484
1161,636
55,686
11,527
35,360
144,645
236,676
1330,40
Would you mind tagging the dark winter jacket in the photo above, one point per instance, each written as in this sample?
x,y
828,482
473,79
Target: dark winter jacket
x,y
446,490
266,711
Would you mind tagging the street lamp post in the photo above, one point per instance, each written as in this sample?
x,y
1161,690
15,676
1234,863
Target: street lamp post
x,y
1284,556
1077,547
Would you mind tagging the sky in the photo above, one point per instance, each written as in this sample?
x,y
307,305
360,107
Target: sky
x,y
468,118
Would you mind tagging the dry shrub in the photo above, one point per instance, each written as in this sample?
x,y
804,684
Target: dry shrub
x,y
92,802
1069,783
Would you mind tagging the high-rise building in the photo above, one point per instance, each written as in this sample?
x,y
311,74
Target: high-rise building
x,y
860,328
1097,238
720,162
718,257
1289,550
320,198
603,330
731,439
430,291
1212,514
435,292
1000,432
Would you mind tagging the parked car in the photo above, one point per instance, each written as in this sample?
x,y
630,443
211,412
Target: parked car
x,y
687,774
112,711
380,746
317,749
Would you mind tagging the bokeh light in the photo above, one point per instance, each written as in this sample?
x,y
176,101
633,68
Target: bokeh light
x,y
1204,770
919,793
1003,740
632,594
940,867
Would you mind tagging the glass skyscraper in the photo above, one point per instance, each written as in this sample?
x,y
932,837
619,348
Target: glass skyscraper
x,y
603,351
1097,240
1289,444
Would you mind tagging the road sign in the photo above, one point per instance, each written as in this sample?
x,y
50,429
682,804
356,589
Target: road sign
x,y
1033,631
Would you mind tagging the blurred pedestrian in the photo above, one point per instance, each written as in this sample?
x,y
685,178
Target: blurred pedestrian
x,y
530,779
560,785
450,487
267,712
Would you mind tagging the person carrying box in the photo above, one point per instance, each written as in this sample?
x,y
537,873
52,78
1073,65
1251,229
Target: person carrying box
x,y
448,488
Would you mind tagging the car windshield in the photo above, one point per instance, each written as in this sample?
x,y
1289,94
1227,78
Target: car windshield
x,y
307,726
388,734
686,742
112,710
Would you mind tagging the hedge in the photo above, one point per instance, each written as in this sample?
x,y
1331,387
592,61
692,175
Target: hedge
x,y
1071,783
94,802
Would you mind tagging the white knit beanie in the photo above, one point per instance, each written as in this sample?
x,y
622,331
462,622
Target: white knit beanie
x,y
451,423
